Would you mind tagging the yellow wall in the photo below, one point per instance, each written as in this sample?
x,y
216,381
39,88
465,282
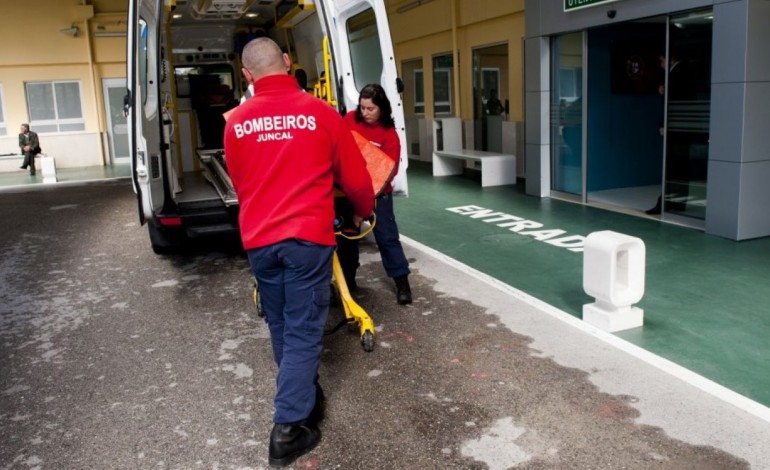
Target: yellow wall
x,y
426,31
36,50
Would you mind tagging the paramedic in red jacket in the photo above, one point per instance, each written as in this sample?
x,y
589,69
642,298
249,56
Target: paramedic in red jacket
x,y
373,119
284,151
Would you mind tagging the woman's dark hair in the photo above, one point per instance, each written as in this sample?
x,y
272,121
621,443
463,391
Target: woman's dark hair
x,y
375,93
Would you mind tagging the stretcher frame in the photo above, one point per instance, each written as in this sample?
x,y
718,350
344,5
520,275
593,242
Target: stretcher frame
x,y
354,313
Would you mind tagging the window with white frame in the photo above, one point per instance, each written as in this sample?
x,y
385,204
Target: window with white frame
x,y
55,106
570,83
442,91
3,125
442,84
490,83
419,92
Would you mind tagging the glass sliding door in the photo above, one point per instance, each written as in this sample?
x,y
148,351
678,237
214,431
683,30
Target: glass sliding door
x,y
688,95
567,113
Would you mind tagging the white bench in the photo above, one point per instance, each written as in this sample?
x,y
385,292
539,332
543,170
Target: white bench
x,y
496,168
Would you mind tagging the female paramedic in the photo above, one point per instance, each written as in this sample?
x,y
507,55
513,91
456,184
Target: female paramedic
x,y
373,120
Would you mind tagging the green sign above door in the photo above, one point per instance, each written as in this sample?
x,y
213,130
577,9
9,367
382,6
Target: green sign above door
x,y
570,5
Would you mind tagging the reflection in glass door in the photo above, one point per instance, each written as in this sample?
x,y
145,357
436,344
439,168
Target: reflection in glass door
x,y
567,113
490,96
688,95
117,129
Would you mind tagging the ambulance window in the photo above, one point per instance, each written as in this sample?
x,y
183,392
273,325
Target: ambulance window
x,y
143,59
190,78
365,52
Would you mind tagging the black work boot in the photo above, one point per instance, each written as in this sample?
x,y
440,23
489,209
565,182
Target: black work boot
x,y
403,291
317,414
288,442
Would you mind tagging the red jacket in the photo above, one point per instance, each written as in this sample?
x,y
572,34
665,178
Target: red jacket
x,y
386,139
284,150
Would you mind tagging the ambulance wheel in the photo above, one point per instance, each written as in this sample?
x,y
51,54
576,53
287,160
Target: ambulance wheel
x,y
367,341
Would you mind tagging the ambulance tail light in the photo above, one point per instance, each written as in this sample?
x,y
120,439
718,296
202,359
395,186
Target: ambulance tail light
x,y
170,221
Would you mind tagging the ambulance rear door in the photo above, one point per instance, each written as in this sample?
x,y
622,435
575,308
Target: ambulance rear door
x,y
362,52
142,104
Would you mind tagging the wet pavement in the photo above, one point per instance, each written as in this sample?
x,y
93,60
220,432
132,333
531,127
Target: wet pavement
x,y
113,357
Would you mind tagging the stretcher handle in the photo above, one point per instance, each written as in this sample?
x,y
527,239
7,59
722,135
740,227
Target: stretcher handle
x,y
372,219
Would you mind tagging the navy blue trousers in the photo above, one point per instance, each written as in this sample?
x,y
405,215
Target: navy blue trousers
x,y
293,279
386,235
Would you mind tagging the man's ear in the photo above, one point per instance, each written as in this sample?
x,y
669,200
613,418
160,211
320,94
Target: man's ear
x,y
287,62
247,75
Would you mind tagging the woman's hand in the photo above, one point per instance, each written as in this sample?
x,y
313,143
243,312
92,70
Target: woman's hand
x,y
357,219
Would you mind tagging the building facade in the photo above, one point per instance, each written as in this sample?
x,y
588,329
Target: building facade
x,y
629,105
652,106
461,59
62,70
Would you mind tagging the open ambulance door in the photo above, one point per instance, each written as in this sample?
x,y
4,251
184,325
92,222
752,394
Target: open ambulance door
x,y
143,106
360,43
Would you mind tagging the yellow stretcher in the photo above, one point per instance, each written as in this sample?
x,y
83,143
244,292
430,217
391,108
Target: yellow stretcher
x,y
354,313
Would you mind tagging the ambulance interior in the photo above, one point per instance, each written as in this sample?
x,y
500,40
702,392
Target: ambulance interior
x,y
207,38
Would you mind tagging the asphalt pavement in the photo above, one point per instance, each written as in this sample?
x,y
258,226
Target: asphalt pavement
x,y
114,357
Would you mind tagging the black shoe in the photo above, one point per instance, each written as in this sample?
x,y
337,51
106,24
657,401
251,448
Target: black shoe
x,y
288,442
403,291
319,409
23,167
32,174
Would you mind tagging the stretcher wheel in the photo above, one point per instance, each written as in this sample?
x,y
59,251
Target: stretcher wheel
x,y
367,341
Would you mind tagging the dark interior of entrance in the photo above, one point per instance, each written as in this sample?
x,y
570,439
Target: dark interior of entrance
x,y
648,116
626,113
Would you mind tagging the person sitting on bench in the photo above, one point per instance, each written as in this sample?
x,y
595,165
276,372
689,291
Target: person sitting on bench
x,y
30,146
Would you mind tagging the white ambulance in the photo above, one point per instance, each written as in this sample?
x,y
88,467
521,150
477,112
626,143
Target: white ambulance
x,y
184,73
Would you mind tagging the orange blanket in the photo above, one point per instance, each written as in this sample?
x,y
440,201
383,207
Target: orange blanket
x,y
380,166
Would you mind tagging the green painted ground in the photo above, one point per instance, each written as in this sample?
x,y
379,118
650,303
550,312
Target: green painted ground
x,y
706,304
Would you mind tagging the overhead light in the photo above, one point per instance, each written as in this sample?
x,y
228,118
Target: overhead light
x,y
71,31
252,15
220,9
411,5
176,16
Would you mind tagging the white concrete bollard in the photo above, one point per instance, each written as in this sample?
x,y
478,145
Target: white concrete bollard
x,y
613,273
48,167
